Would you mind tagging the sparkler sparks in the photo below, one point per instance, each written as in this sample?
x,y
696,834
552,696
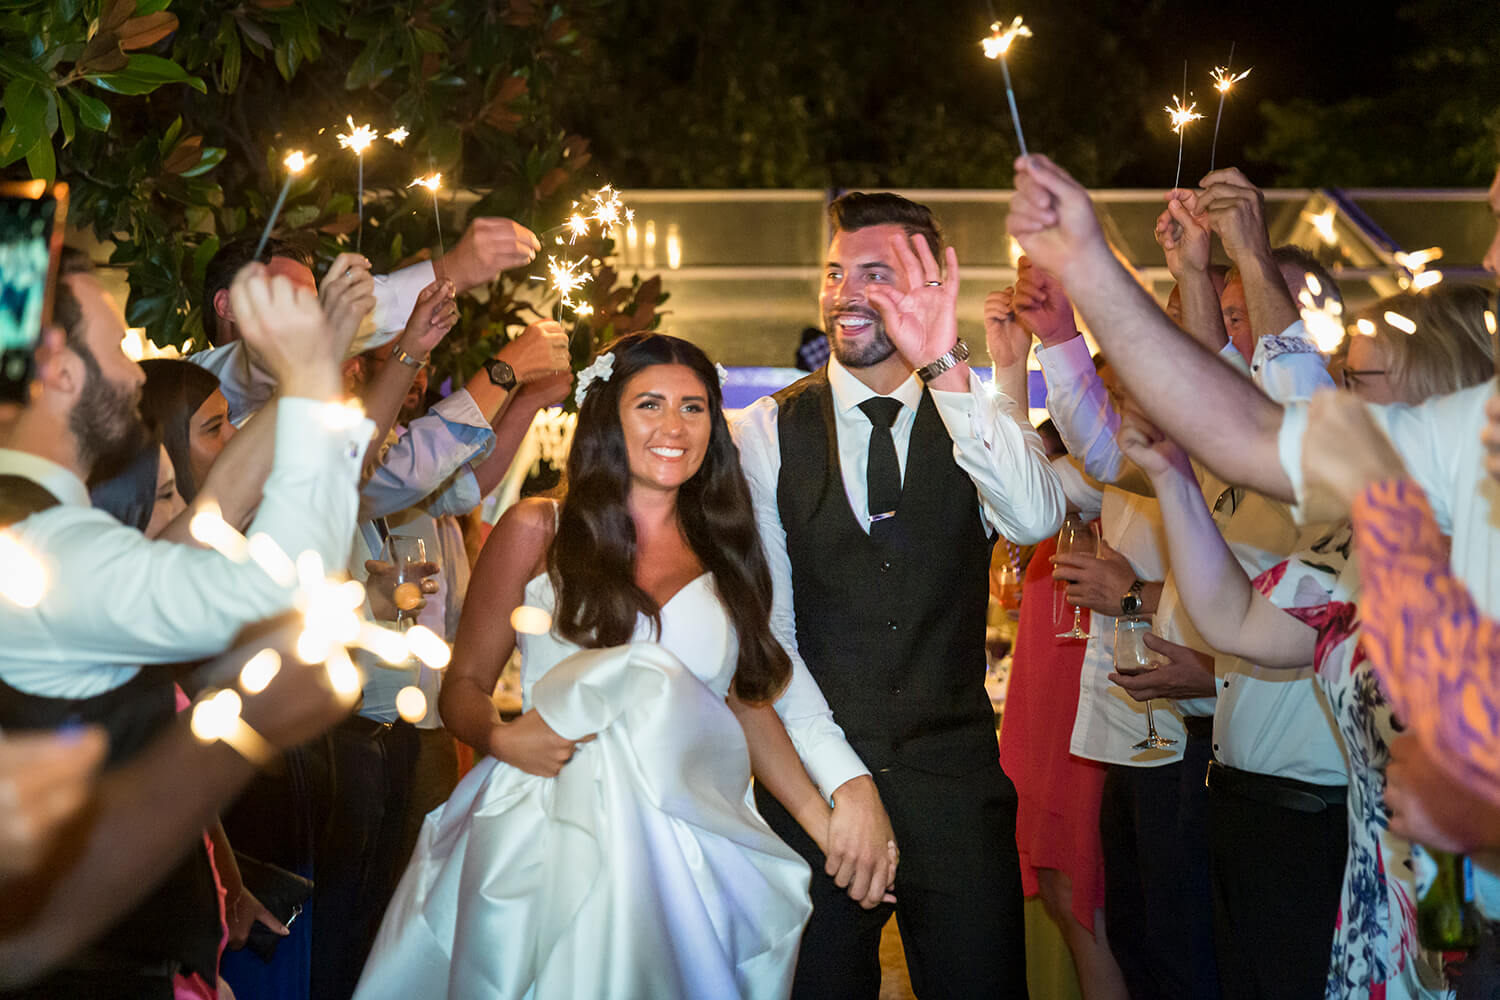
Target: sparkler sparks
x,y
997,47
398,134
1181,117
1224,80
567,277
1323,319
432,182
296,161
1323,223
359,138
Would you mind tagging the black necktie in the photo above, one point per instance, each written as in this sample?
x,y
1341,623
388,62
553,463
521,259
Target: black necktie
x,y
883,473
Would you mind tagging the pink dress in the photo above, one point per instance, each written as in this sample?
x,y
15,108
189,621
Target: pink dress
x,y
1057,818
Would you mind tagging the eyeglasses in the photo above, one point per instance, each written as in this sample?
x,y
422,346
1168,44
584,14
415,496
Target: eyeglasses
x,y
1349,377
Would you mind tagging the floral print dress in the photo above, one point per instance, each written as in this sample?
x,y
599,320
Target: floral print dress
x,y
1375,953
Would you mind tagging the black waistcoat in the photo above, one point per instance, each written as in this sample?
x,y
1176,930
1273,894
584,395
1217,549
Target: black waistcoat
x,y
179,920
892,630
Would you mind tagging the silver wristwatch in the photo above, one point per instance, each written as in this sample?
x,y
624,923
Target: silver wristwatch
x,y
957,355
409,360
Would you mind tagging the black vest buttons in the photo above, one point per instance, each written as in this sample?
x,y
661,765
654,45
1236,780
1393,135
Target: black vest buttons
x,y
895,689
892,626
885,567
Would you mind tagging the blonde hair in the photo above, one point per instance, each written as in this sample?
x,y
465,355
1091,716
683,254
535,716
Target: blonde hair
x,y
1450,348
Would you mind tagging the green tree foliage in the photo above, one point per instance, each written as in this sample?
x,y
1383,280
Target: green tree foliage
x,y
171,125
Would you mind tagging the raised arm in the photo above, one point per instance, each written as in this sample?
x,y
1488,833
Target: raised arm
x,y
1235,209
513,423
1227,611
1188,245
433,316
1174,379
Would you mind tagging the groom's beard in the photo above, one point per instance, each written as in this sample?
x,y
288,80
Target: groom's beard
x,y
870,347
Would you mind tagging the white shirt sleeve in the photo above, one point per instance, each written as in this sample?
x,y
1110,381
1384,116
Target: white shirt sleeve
x,y
1289,366
803,709
1002,453
1081,409
119,598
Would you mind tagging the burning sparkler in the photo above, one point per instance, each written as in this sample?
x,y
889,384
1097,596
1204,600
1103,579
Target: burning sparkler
x,y
398,134
997,47
432,182
1224,80
296,161
1323,319
1181,117
359,138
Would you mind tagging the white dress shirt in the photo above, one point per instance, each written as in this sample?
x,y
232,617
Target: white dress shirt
x,y
248,388
1019,494
1270,721
429,462
117,600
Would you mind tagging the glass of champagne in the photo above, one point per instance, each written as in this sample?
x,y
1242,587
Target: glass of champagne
x,y
1076,538
405,553
1132,657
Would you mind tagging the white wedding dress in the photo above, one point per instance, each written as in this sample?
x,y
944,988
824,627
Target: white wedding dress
x,y
641,871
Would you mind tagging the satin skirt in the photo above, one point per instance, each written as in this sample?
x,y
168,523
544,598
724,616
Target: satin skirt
x,y
642,870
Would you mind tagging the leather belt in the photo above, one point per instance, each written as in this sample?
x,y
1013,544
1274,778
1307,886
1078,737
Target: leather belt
x,y
1268,789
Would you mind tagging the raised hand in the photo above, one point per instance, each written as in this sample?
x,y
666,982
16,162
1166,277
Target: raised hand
x,y
1235,209
489,246
347,295
531,745
287,331
1004,334
539,351
434,314
1052,216
919,309
1042,305
1184,235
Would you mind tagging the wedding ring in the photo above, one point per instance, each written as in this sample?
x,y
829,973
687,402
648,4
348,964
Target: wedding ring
x,y
933,284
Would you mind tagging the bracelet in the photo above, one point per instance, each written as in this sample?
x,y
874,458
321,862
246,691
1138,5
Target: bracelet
x,y
398,354
956,355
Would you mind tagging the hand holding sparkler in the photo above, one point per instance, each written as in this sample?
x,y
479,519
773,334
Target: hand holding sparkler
x,y
487,248
1184,236
541,350
347,294
1235,209
1042,306
1052,218
433,316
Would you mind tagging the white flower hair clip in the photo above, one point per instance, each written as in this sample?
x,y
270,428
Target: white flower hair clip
x,y
723,373
600,371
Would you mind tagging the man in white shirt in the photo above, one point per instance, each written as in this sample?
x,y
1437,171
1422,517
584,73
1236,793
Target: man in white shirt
x,y
113,606
879,483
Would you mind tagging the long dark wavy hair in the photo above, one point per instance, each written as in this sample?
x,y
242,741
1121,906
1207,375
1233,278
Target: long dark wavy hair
x,y
592,559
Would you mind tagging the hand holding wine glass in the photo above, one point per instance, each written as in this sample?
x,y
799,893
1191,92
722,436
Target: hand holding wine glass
x,y
1076,538
1133,657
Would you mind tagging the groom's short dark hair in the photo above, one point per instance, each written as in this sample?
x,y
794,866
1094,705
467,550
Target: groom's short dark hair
x,y
859,209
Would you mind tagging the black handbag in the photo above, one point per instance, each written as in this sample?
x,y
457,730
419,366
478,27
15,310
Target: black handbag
x,y
282,892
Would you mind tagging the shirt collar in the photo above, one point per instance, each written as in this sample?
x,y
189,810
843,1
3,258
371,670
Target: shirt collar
x,y
58,481
849,391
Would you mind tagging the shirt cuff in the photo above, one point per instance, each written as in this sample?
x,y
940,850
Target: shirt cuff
x,y
460,408
312,434
1066,362
962,411
1289,448
395,296
833,764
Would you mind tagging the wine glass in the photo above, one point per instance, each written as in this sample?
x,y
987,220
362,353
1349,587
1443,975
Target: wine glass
x,y
1132,657
1076,538
405,552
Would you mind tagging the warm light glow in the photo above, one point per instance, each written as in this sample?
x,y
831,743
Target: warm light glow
x,y
388,644
23,578
428,647
209,528
1000,40
431,182
269,556
1400,322
1323,321
139,347
343,675
1365,327
607,207
260,670
566,277
342,415
1418,259
411,704
1181,116
583,309
359,137
674,247
1314,285
1489,322
217,718
1426,279
297,161
398,134
1224,79
577,226
526,620
1323,223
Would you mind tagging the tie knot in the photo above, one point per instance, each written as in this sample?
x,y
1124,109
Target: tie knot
x,y
881,410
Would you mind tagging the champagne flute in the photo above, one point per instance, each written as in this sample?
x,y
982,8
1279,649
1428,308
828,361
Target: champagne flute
x,y
1076,538
405,552
1132,657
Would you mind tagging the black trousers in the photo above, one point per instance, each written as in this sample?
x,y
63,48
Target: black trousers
x,y
386,779
1154,825
958,892
1277,874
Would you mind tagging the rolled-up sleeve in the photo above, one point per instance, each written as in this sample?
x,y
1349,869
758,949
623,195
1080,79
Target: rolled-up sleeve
x,y
432,457
826,754
1002,454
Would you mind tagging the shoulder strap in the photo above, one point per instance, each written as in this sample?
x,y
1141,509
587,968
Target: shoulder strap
x,y
20,498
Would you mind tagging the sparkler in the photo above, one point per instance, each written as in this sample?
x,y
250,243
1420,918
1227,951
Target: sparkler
x,y
1181,117
996,47
398,134
296,161
432,182
359,139
1322,319
1224,81
566,277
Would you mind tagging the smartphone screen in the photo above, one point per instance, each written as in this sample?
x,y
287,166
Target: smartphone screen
x,y
31,225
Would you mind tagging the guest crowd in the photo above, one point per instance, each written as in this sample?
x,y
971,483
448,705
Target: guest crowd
x,y
1233,780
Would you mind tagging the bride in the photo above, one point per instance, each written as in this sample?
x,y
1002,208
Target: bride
x,y
608,846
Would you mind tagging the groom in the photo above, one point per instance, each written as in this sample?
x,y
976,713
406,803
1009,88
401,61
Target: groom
x,y
880,482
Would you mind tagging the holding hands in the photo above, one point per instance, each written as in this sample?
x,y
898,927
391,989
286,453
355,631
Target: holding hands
x,y
922,320
1052,217
861,848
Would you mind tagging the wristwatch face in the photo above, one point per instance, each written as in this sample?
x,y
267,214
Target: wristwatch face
x,y
1130,604
501,373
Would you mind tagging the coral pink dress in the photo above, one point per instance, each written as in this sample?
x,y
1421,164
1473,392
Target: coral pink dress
x,y
1057,819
